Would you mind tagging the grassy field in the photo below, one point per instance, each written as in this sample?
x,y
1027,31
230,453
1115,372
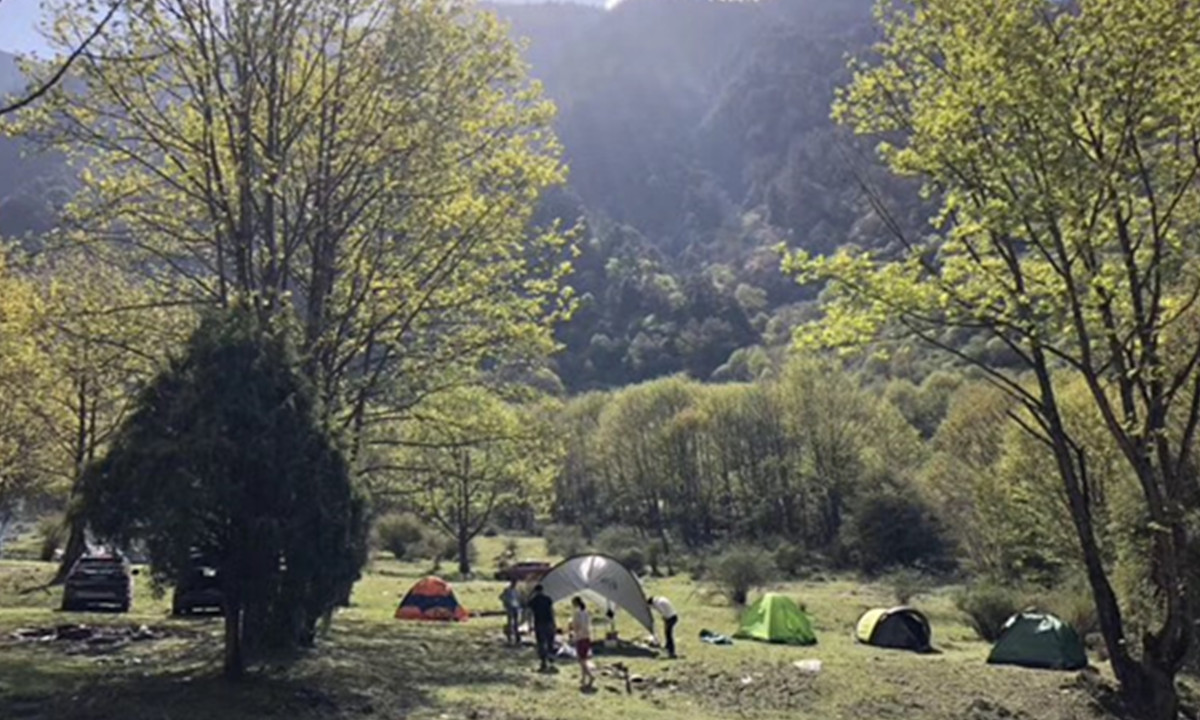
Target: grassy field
x,y
371,666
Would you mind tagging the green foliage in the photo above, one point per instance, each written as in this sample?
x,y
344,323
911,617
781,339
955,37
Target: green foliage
x,y
625,544
52,534
739,570
793,560
908,583
894,529
225,455
1072,601
987,608
564,540
400,534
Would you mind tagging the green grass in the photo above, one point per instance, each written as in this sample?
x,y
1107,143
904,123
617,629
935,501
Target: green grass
x,y
373,666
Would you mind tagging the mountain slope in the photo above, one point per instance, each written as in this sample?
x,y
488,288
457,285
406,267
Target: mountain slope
x,y
699,139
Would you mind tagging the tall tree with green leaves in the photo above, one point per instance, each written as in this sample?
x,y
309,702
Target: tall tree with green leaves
x,y
1062,141
22,372
226,456
102,334
478,453
369,167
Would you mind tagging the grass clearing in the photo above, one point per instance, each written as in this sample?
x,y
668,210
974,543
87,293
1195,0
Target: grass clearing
x,y
370,665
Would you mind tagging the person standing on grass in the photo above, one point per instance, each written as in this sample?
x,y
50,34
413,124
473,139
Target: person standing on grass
x,y
670,619
542,608
510,597
581,634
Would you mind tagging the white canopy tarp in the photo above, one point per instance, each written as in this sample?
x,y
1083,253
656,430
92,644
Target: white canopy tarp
x,y
599,578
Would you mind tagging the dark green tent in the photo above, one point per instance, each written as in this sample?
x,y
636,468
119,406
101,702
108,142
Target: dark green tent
x,y
1039,641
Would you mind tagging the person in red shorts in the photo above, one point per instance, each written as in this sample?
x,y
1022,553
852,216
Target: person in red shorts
x,y
581,633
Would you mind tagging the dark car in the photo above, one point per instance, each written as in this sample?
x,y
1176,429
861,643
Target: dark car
x,y
97,581
523,571
199,590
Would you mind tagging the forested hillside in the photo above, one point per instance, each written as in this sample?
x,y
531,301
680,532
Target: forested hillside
x,y
699,139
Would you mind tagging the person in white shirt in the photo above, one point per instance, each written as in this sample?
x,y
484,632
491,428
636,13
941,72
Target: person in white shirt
x,y
581,634
670,618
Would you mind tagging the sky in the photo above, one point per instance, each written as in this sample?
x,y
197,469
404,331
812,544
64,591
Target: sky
x,y
18,18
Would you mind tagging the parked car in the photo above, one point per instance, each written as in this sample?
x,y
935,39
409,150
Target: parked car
x,y
99,581
522,571
199,590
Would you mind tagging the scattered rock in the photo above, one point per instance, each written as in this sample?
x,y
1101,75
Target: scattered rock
x,y
808,667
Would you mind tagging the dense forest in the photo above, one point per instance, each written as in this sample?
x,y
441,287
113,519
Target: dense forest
x,y
699,139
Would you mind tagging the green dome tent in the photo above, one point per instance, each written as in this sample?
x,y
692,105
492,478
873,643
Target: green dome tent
x,y
776,618
1038,641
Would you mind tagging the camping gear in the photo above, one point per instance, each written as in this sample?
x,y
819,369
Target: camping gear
x,y
1035,640
776,618
431,598
599,578
902,628
712,638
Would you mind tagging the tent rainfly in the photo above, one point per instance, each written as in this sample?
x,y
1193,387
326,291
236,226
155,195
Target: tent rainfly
x,y
599,578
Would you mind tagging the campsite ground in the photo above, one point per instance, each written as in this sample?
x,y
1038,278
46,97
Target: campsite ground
x,y
371,666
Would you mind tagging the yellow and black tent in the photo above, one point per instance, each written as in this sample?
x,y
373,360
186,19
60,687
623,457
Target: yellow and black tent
x,y
900,627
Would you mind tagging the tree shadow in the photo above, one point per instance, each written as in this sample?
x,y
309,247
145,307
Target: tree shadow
x,y
360,669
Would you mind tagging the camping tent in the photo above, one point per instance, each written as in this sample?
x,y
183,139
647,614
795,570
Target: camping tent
x,y
600,579
431,598
900,627
1039,641
776,618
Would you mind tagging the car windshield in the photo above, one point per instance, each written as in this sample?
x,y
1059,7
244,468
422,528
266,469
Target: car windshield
x,y
101,567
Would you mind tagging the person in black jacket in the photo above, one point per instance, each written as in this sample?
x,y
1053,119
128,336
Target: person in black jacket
x,y
542,608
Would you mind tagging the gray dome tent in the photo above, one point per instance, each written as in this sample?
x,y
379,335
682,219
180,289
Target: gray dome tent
x,y
599,578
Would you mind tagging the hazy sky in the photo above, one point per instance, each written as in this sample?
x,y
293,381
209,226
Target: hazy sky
x,y
17,21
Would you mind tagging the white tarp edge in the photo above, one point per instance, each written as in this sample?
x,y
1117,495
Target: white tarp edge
x,y
599,576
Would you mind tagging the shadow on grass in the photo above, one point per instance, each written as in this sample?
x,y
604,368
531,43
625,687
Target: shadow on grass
x,y
361,669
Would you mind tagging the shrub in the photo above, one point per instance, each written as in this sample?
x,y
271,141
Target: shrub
x,y
987,608
1072,601
400,534
626,545
909,583
52,531
892,530
657,558
739,570
564,540
792,560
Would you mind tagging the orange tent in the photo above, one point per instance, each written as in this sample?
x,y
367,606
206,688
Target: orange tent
x,y
431,598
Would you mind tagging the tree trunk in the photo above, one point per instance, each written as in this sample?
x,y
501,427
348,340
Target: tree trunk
x,y
235,663
76,546
464,554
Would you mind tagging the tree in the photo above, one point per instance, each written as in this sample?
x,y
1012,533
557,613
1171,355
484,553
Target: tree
x,y
22,372
225,456
476,453
102,334
1063,143
368,167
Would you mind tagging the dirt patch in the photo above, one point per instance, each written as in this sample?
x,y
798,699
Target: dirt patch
x,y
76,639
751,687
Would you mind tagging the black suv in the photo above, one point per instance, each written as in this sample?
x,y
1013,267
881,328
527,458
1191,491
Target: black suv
x,y
198,590
98,580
